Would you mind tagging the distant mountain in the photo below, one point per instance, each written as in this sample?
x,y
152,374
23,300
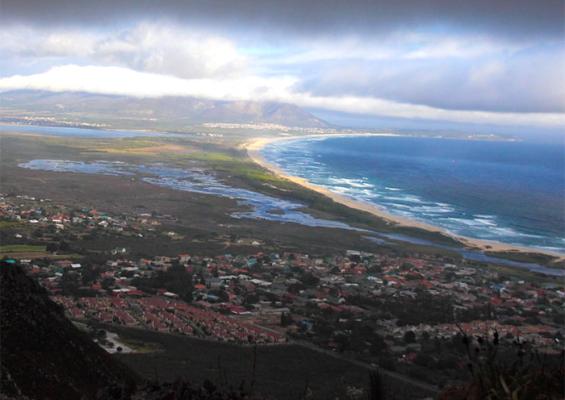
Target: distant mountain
x,y
180,110
42,354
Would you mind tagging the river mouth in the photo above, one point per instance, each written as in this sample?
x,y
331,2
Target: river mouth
x,y
257,206
471,255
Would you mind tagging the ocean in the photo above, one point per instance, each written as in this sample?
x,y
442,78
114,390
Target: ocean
x,y
508,191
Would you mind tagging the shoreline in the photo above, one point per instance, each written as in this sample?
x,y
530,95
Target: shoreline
x,y
254,147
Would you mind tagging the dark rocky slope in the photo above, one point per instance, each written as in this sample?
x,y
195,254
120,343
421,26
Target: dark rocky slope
x,y
42,354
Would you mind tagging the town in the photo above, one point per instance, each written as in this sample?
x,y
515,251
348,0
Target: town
x,y
401,311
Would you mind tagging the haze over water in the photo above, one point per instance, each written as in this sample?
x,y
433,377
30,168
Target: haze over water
x,y
511,192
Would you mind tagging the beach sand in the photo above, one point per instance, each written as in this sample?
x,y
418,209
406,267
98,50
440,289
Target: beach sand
x,y
254,147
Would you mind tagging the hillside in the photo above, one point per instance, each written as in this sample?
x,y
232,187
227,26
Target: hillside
x,y
43,355
169,110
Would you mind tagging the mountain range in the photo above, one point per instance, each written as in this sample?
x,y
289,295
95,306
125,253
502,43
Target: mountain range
x,y
171,111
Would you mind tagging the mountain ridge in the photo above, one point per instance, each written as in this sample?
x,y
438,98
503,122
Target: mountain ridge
x,y
181,110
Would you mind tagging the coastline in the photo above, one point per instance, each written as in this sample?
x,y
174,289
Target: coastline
x,y
254,147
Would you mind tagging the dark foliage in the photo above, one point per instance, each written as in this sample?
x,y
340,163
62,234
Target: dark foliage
x,y
509,370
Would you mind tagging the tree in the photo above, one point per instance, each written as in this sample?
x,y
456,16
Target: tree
x,y
89,274
250,299
409,337
308,279
286,319
407,266
107,283
51,247
70,282
64,246
342,341
424,360
222,295
425,336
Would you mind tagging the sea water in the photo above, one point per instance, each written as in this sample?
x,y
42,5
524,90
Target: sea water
x,y
508,191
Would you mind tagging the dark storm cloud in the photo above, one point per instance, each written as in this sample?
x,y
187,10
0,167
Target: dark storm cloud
x,y
506,18
435,59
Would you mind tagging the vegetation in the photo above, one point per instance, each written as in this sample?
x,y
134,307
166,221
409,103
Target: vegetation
x,y
175,280
544,259
281,372
10,224
21,248
508,370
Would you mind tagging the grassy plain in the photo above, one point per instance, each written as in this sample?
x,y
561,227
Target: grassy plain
x,y
203,220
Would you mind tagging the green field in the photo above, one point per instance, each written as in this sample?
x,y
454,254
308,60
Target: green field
x,y
21,248
9,224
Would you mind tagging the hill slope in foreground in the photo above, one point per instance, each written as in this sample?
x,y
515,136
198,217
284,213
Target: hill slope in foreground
x,y
43,355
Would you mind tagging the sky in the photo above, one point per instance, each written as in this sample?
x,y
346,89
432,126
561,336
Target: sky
x,y
495,62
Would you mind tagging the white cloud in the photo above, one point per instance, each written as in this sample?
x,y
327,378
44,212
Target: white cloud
x,y
145,47
397,46
174,51
405,74
27,42
458,47
380,107
528,81
124,81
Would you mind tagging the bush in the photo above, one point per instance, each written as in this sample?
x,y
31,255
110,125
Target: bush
x,y
509,370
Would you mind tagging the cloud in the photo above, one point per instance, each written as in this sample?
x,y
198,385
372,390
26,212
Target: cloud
x,y
486,77
124,81
408,58
30,43
150,47
516,19
406,45
452,72
170,50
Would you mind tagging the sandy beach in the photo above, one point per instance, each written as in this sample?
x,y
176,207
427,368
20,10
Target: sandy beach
x,y
254,151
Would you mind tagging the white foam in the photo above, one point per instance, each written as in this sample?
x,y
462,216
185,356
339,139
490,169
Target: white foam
x,y
434,209
487,222
402,206
484,216
357,183
407,199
